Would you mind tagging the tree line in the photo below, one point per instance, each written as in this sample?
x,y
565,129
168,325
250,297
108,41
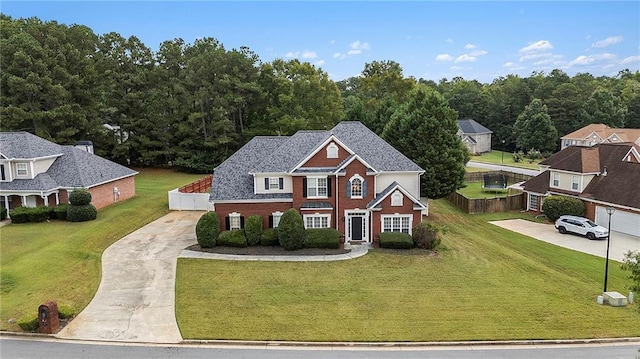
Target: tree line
x,y
191,105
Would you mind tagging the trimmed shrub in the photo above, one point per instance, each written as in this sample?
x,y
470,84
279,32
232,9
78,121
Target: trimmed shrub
x,y
253,230
38,214
426,235
322,238
60,212
80,197
81,213
208,229
233,238
3,213
20,215
291,230
269,237
555,206
396,240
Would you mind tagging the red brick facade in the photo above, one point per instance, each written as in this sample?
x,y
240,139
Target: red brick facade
x,y
265,209
104,195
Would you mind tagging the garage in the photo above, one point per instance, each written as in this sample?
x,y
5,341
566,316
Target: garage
x,y
621,221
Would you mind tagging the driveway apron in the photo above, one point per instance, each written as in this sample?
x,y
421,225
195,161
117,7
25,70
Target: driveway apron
x,y
135,301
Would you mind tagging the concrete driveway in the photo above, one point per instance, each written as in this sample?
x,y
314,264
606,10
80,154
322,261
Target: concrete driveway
x,y
620,242
136,298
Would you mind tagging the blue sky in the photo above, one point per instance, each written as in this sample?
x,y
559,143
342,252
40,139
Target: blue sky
x,y
476,40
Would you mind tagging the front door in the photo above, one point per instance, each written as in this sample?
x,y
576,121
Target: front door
x,y
356,225
356,228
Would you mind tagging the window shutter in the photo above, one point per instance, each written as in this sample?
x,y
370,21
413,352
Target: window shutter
x,y
281,180
364,188
328,187
348,189
227,225
304,187
266,183
242,222
270,221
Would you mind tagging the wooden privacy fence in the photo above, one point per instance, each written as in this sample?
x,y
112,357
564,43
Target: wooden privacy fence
x,y
202,185
511,177
486,205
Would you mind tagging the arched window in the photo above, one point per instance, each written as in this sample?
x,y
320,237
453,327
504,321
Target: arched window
x,y
332,150
396,199
356,187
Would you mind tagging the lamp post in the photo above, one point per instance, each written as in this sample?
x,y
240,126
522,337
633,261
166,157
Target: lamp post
x,y
502,159
610,211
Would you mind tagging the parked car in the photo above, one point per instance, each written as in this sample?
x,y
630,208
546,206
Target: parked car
x,y
581,226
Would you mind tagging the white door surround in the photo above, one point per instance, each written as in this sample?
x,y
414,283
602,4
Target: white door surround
x,y
359,232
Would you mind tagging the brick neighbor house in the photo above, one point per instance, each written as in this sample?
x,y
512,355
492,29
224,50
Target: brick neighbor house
x,y
345,178
37,172
602,175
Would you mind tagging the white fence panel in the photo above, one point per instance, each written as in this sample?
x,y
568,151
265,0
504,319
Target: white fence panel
x,y
189,201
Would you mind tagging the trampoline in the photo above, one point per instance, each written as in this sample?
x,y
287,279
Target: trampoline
x,y
494,182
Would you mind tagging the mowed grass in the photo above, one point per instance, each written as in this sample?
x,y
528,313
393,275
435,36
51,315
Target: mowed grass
x,y
61,260
475,190
486,283
496,157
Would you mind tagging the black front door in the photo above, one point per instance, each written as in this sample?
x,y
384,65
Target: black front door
x,y
356,228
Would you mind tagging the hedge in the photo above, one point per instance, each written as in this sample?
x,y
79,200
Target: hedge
x,y
29,214
208,229
3,213
253,230
59,212
322,238
83,213
291,230
79,197
396,240
555,206
233,238
269,237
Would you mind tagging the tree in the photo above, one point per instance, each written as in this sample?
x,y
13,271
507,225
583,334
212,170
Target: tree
x,y
564,108
469,99
632,264
603,107
534,129
424,129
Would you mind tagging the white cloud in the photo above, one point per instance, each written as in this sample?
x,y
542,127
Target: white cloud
x,y
586,60
357,45
465,58
444,57
540,45
448,40
535,56
320,63
608,41
508,64
630,59
470,46
355,48
292,54
354,52
478,53
339,55
309,55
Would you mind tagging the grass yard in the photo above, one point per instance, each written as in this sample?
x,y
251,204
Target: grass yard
x,y
486,284
475,190
61,260
495,157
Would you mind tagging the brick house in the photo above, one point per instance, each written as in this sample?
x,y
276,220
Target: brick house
x,y
602,175
345,178
37,172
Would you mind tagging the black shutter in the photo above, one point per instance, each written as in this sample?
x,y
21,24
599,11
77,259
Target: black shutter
x,y
281,180
270,221
242,222
266,183
304,187
328,187
227,225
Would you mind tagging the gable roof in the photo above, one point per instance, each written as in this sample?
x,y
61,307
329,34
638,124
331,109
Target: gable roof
x,y
470,126
72,167
375,202
618,186
604,132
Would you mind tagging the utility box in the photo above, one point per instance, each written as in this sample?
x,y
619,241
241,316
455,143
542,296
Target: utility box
x,y
48,318
615,299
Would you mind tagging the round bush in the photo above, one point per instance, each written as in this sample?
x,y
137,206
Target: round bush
x,y
269,237
555,206
234,238
426,235
253,230
81,213
80,197
291,230
208,229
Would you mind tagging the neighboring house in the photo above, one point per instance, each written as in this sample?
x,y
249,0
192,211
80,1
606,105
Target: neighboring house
x,y
476,137
36,172
598,133
346,178
602,175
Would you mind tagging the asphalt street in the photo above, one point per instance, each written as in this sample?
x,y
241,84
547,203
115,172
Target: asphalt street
x,y
503,168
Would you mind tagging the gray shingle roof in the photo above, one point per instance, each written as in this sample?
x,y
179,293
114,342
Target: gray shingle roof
x,y
291,151
73,167
471,126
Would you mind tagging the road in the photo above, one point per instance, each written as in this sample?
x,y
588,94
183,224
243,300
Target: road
x,y
491,167
49,348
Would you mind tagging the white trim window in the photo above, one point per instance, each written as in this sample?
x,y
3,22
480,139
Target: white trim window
x,y
21,170
276,216
234,221
556,179
332,150
317,220
317,187
575,183
397,199
397,223
533,202
274,183
356,187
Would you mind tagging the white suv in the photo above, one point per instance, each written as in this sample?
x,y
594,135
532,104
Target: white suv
x,y
582,226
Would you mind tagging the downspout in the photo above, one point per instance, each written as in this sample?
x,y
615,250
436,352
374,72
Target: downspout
x,y
337,214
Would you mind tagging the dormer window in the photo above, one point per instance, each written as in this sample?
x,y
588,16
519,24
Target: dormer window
x,y
332,150
21,170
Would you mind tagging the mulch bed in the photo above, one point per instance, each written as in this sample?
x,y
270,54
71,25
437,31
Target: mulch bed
x,y
269,251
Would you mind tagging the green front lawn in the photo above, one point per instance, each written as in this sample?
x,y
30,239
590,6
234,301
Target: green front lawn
x,y
496,158
487,283
475,190
61,260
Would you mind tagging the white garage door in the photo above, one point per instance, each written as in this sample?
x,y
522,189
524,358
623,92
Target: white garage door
x,y
624,222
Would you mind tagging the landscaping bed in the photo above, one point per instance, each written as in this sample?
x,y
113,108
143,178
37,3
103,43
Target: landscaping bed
x,y
268,251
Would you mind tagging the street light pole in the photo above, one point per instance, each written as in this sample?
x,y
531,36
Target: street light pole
x,y
610,211
502,159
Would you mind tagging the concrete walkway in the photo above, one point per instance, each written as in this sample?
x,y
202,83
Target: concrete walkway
x,y
620,242
136,298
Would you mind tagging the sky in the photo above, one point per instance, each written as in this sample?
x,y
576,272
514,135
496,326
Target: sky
x,y
478,40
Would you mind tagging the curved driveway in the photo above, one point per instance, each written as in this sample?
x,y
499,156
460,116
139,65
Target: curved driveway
x,y
136,298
